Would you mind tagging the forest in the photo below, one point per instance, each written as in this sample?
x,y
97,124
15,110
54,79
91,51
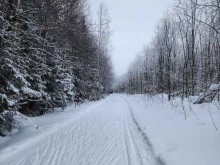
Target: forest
x,y
183,58
51,51
109,82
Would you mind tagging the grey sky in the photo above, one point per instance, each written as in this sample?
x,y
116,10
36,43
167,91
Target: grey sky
x,y
134,23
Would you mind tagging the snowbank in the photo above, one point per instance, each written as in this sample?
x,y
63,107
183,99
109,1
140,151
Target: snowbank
x,y
177,141
34,129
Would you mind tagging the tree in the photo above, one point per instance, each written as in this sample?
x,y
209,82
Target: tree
x,y
104,66
48,51
181,60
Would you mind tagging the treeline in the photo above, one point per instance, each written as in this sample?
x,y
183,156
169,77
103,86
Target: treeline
x,y
50,51
183,58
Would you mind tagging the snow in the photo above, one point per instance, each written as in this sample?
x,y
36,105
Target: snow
x,y
34,130
11,102
214,87
31,93
45,95
193,141
70,93
13,88
2,97
19,76
120,129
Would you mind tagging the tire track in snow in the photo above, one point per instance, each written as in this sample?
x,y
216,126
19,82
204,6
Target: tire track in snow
x,y
108,136
149,152
131,147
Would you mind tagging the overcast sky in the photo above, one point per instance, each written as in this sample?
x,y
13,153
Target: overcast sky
x,y
134,23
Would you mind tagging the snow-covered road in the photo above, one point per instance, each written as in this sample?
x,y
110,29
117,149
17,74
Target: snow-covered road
x,y
107,135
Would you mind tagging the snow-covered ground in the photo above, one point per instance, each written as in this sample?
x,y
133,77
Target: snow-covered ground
x,y
121,129
177,141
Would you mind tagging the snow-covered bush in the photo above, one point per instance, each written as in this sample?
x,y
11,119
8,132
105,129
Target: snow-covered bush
x,y
7,122
213,93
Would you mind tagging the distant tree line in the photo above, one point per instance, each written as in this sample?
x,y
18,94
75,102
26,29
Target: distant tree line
x,y
50,51
183,58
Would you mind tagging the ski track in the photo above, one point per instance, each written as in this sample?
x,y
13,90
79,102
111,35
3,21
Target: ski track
x,y
108,136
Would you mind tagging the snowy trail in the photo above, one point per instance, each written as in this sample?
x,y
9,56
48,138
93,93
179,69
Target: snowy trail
x,y
107,136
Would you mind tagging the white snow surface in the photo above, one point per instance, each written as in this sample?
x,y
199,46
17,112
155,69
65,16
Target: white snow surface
x,y
31,93
118,130
214,87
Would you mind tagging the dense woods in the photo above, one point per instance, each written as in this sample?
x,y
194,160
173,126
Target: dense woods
x,y
183,58
50,51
